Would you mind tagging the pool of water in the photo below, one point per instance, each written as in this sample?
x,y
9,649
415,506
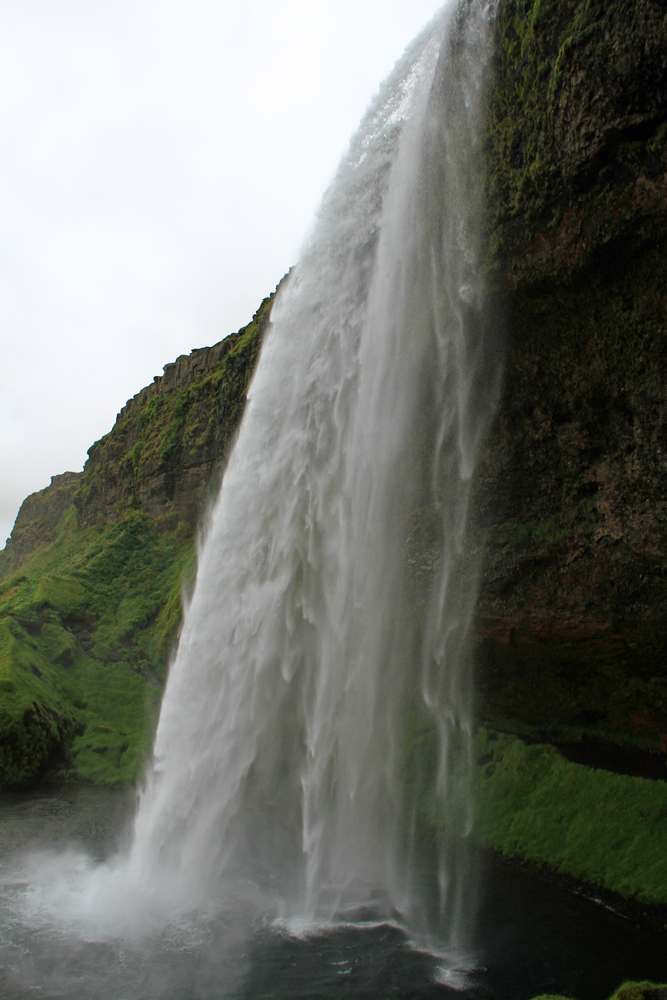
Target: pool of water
x,y
531,937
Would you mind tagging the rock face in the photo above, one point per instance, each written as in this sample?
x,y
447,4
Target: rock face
x,y
170,438
38,518
575,150
165,450
571,494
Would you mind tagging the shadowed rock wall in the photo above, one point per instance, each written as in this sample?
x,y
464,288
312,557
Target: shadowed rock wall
x,y
571,493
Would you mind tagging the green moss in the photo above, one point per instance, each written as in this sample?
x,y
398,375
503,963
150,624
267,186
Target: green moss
x,y
172,436
36,721
89,621
605,829
628,991
530,61
135,454
150,412
147,457
99,634
528,801
637,991
169,619
117,717
95,650
535,172
58,644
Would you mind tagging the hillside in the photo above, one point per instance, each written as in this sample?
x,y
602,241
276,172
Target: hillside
x,y
92,577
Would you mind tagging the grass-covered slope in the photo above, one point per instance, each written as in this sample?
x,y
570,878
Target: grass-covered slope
x,y
628,991
90,596
86,627
526,801
609,830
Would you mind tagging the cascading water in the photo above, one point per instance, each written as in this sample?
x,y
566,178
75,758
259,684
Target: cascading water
x,y
334,592
278,757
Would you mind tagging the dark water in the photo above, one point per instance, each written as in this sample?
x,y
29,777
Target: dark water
x,y
531,937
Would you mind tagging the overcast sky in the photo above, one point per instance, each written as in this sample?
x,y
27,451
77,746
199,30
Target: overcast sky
x,y
160,164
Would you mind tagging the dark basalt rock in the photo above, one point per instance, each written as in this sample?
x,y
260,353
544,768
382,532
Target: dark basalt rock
x,y
569,495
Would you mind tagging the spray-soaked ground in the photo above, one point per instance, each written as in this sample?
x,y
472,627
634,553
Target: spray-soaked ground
x,y
531,937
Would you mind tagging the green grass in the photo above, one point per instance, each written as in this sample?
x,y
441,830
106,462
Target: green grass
x,y
119,717
628,991
85,632
88,618
527,801
606,829
36,720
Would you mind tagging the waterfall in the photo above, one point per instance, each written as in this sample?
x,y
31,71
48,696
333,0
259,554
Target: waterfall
x,y
334,591
278,751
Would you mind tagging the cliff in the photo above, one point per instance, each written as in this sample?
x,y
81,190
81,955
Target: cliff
x,y
570,494
568,514
92,576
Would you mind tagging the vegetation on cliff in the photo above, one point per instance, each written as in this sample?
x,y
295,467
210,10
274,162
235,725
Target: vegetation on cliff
x,y
524,799
576,132
92,579
604,829
568,509
628,991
